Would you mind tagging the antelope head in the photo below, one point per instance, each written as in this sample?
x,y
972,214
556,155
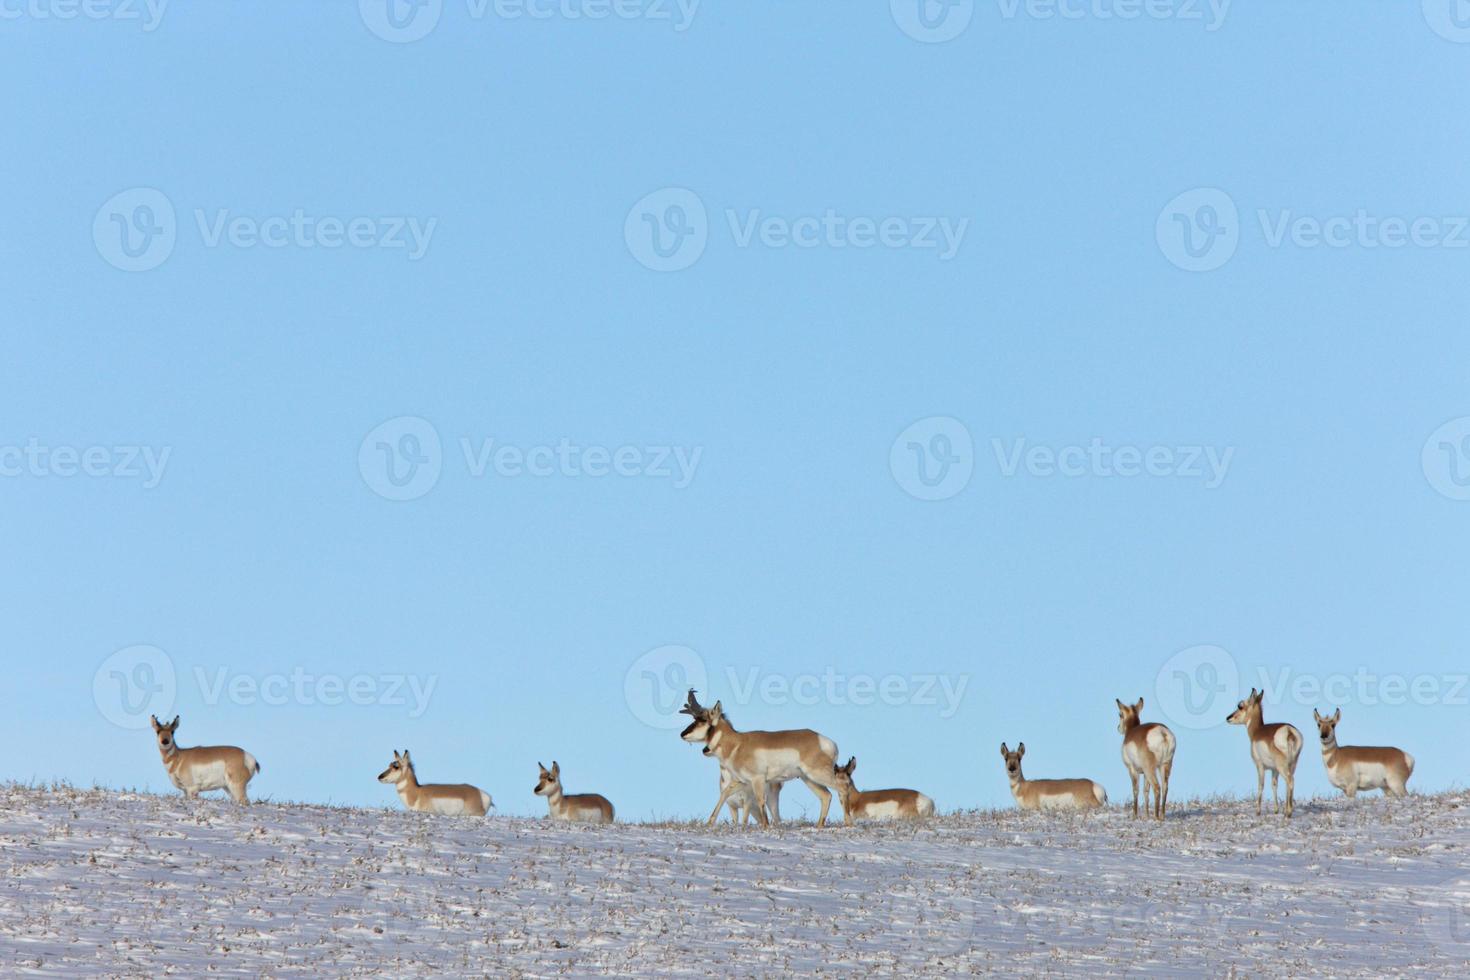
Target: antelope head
x,y
1128,715
398,769
1327,726
165,733
1013,759
549,780
698,729
1243,711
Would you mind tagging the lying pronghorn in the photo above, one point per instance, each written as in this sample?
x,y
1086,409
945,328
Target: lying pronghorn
x,y
741,797
878,804
1274,747
204,767
583,808
1049,794
762,758
1354,767
451,800
1148,751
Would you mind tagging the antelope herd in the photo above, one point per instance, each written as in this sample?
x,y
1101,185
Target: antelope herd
x,y
754,765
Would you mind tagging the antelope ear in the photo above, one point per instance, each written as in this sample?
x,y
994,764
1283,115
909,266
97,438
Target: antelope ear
x,y
154,719
541,767
1139,705
1337,716
1004,751
1120,703
174,723
555,768
1316,717
405,755
1020,749
851,764
395,754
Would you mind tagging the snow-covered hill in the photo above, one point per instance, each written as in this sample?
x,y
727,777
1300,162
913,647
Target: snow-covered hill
x,y
104,883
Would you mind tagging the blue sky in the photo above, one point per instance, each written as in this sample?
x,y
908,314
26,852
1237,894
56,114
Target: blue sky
x,y
474,393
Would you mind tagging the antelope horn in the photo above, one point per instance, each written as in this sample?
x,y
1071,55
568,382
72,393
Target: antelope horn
x,y
693,708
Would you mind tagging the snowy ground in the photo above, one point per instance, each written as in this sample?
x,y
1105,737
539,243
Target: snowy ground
x,y
103,883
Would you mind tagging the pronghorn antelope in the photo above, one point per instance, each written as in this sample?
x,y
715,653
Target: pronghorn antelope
x,y
450,800
1274,747
204,767
583,808
1354,767
1148,752
740,797
878,804
741,800
1049,794
762,758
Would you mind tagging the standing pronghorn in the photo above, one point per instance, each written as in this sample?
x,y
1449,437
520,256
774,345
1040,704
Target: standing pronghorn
x,y
1148,751
878,804
582,808
204,767
1049,794
452,800
740,797
1354,767
1274,747
741,800
762,758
